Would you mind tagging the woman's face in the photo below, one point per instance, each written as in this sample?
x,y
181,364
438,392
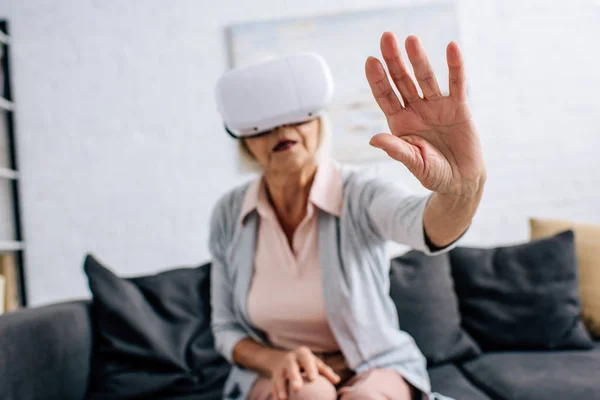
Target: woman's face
x,y
287,148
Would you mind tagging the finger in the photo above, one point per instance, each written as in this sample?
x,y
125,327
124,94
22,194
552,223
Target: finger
x,y
294,376
381,88
456,72
399,149
328,372
308,362
398,72
423,71
279,389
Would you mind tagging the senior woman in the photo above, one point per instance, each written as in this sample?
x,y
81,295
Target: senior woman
x,y
300,303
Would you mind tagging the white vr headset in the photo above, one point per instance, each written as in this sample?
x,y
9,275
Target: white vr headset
x,y
255,99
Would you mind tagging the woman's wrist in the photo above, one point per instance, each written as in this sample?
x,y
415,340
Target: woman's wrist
x,y
269,358
257,357
447,216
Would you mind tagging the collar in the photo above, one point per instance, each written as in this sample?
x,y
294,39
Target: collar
x,y
326,192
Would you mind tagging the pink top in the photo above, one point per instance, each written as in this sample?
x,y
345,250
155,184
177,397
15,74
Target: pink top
x,y
286,294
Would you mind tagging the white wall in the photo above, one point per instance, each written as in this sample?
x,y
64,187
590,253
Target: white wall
x,y
122,153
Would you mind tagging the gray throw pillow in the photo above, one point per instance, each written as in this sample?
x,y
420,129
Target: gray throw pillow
x,y
521,297
152,336
421,287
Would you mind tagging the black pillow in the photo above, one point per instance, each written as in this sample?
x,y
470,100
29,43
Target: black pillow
x,y
521,297
152,336
422,289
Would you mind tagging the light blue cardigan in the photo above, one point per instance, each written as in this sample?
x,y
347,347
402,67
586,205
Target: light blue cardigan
x,y
355,269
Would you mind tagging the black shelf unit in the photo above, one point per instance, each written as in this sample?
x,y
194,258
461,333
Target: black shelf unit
x,y
10,173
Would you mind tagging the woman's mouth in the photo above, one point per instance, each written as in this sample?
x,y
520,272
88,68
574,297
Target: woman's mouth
x,y
283,145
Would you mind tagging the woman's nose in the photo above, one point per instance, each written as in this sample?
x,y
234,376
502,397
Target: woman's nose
x,y
284,128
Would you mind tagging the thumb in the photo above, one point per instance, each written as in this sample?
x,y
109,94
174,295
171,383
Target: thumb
x,y
398,148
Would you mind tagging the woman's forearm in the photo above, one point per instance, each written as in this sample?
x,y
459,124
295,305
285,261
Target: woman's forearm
x,y
255,356
447,217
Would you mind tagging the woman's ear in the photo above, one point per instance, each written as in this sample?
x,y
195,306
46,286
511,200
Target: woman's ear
x,y
244,145
248,162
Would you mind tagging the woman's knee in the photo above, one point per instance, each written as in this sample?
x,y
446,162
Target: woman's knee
x,y
362,395
319,389
379,384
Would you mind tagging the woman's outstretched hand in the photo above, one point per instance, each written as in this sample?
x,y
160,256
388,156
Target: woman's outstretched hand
x,y
434,135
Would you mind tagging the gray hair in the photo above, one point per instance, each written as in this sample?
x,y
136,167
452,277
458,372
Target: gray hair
x,y
248,163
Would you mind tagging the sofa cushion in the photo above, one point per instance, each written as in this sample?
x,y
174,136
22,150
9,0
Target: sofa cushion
x,y
152,335
521,297
537,375
448,380
587,249
422,289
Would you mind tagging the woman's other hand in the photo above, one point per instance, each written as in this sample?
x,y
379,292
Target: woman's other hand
x,y
294,367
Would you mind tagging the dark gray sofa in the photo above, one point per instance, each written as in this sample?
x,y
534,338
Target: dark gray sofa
x,y
45,354
493,324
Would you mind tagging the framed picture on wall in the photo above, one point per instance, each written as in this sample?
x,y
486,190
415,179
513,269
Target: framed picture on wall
x,y
345,41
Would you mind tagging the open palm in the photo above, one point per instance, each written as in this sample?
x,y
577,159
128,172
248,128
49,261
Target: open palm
x,y
434,135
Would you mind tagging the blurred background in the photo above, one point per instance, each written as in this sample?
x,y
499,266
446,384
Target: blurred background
x,y
112,144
